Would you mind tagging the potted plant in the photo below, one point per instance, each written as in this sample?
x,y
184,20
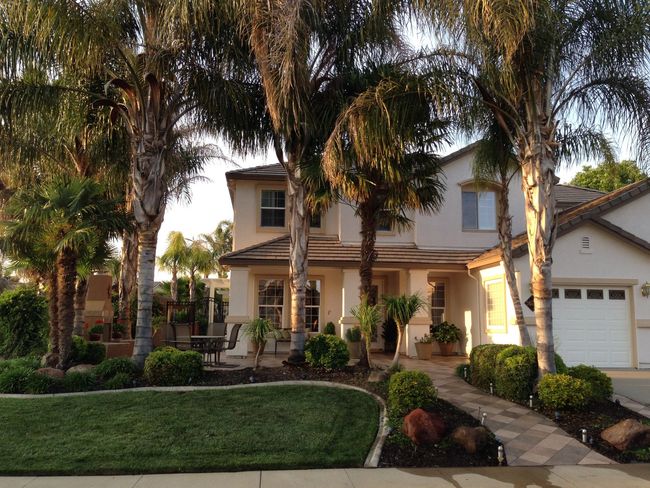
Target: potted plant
x,y
353,336
258,331
118,330
389,334
95,332
424,346
446,335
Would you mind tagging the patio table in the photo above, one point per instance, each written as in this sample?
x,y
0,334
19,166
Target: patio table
x,y
208,344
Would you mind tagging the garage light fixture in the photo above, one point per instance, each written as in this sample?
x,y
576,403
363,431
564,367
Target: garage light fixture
x,y
645,289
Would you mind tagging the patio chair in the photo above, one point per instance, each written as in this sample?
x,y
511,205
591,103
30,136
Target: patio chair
x,y
223,346
219,330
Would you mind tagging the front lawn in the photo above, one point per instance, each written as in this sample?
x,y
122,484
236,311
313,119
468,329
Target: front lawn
x,y
270,427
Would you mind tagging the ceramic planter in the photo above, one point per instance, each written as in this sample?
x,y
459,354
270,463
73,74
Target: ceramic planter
x,y
354,348
424,350
446,348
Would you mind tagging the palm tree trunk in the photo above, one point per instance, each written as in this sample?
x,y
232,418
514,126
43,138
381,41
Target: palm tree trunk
x,y
173,285
505,239
400,332
52,357
147,264
66,265
298,246
368,216
192,287
80,306
538,182
128,274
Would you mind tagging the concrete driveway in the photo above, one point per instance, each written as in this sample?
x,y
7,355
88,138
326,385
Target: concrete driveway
x,y
634,384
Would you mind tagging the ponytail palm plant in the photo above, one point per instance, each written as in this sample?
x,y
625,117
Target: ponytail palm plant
x,y
368,316
402,309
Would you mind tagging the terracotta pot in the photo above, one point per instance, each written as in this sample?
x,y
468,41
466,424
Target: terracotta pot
x,y
446,348
354,348
424,351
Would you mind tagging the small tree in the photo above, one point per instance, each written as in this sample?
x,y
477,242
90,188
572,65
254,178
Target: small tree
x,y
609,175
368,317
173,259
402,309
258,331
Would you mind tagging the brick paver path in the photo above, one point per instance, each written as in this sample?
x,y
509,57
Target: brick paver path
x,y
529,438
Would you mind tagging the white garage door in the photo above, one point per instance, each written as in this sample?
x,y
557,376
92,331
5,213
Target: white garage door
x,y
591,325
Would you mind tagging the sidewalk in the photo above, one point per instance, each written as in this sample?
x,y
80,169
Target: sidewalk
x,y
529,439
619,476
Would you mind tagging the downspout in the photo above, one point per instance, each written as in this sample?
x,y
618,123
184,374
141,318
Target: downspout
x,y
478,304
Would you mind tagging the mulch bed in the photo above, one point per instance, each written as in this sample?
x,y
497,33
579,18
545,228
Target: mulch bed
x,y
398,450
596,418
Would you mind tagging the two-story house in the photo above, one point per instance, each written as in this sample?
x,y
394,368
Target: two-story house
x,y
601,265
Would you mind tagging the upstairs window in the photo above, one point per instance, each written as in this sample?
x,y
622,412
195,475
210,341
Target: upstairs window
x,y
479,210
315,221
272,208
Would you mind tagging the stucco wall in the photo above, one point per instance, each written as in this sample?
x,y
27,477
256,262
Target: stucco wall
x,y
632,217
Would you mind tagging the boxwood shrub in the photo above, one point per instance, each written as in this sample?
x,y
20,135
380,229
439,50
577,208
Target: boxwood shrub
x,y
327,351
601,384
563,392
515,373
171,367
408,390
482,361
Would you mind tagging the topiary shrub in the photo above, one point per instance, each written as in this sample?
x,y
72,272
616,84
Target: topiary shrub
x,y
23,323
15,380
73,382
84,352
170,367
329,329
119,381
482,361
563,392
327,351
111,367
601,384
408,390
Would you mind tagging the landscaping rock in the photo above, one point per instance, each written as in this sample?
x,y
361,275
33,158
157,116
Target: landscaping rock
x,y
470,438
51,372
81,368
627,434
423,427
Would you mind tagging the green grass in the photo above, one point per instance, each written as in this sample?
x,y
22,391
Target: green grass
x,y
270,427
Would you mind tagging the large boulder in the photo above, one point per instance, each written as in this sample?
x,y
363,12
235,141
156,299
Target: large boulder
x,y
81,368
470,438
423,427
627,434
51,372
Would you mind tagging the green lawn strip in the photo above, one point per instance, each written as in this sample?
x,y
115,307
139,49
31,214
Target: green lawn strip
x,y
270,427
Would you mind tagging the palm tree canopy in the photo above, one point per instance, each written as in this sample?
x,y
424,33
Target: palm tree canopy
x,y
176,252
403,308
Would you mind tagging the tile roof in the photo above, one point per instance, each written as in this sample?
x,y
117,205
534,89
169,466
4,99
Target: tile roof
x,y
329,251
572,217
569,196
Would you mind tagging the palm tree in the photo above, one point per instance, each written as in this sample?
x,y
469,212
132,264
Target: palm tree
x,y
198,260
494,160
303,50
220,243
554,75
402,309
173,259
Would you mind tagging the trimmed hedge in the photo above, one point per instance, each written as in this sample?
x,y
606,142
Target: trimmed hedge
x,y
408,390
564,392
482,361
601,384
23,323
171,367
327,351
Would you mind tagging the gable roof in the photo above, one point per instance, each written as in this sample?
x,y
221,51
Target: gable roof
x,y
573,217
567,196
329,251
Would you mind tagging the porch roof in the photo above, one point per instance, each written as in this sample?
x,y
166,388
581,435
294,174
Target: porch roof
x,y
329,251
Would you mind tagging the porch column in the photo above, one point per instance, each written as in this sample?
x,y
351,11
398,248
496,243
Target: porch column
x,y
349,299
238,312
419,325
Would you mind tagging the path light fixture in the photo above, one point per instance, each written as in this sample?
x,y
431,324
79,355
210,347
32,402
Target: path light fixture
x,y
557,415
501,455
584,435
483,417
465,372
491,389
530,401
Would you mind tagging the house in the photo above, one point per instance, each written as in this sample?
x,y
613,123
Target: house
x,y
601,265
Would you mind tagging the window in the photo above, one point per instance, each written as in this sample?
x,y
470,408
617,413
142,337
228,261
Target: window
x,y
312,305
617,294
382,227
573,293
272,208
594,294
438,303
495,297
315,221
479,210
270,300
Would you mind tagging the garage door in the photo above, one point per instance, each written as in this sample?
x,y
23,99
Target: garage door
x,y
591,325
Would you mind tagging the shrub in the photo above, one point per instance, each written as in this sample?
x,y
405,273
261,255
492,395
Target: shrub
x,y
563,392
353,334
482,363
39,384
79,382
408,390
15,380
84,352
601,384
29,362
111,367
329,329
460,371
327,351
560,367
119,381
169,367
515,372
23,323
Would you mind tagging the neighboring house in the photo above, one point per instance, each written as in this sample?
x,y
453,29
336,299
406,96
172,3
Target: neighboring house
x,y
601,264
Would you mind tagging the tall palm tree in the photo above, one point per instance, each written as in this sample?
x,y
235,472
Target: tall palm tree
x,y
495,161
173,259
554,75
220,242
198,260
302,50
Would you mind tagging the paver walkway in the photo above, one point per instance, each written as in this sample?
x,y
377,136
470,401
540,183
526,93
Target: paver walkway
x,y
529,439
